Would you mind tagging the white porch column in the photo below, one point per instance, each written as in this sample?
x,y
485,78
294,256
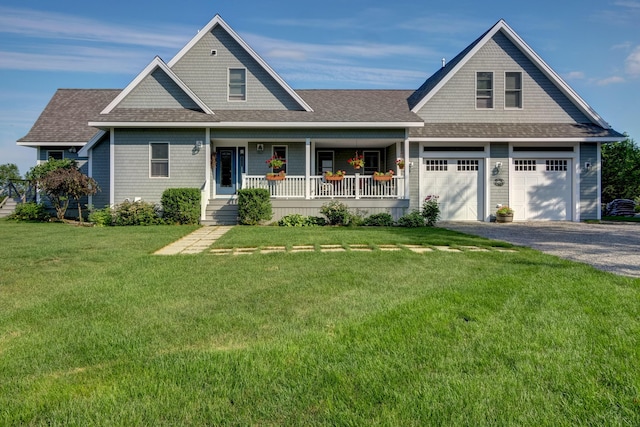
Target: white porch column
x,y
206,188
407,167
307,171
112,168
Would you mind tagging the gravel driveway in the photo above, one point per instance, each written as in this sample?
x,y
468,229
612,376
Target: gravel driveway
x,y
613,247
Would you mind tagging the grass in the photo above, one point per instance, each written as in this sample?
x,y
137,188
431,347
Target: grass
x,y
94,330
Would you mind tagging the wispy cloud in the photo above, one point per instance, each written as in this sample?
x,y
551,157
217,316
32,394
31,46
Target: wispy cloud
x,y
632,63
574,75
610,80
630,4
51,25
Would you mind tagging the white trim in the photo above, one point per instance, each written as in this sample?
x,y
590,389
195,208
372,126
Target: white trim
x,y
577,179
153,65
112,167
598,167
533,56
168,159
50,144
206,188
307,168
217,20
575,154
485,153
84,151
377,125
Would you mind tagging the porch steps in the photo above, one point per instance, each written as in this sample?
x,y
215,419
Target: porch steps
x,y
221,212
7,208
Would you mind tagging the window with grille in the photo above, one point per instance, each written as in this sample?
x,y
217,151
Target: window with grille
x,y
467,165
556,165
525,165
436,165
237,84
159,159
513,90
484,89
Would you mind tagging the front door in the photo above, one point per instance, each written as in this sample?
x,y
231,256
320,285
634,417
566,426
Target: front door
x,y
226,176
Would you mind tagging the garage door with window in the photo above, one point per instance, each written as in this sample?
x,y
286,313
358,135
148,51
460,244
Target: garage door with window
x,y
459,186
541,189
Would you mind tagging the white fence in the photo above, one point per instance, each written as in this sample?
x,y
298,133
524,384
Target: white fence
x,y
351,186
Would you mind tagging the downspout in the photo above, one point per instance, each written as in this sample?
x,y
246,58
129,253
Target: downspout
x,y
112,172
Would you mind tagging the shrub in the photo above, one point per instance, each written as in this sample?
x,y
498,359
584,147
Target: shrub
x,y
431,210
136,213
101,217
297,220
379,220
30,212
181,205
337,213
413,219
254,205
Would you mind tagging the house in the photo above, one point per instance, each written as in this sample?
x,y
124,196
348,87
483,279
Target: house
x,y
494,126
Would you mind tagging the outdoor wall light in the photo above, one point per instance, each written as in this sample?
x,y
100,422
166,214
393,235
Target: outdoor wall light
x,y
198,145
260,148
499,165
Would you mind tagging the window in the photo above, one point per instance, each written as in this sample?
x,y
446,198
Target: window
x,y
237,84
436,165
324,162
371,162
159,159
525,165
484,89
55,154
467,165
556,165
513,90
281,152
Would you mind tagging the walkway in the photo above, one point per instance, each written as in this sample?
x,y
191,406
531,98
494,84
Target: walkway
x,y
201,240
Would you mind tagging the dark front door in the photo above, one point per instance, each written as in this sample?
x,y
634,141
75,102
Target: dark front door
x,y
226,165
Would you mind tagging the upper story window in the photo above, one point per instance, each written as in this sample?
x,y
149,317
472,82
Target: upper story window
x,y
159,159
513,90
484,89
55,154
237,84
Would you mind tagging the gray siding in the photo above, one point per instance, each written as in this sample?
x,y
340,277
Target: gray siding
x,y
588,181
186,167
100,171
542,100
158,90
498,195
206,75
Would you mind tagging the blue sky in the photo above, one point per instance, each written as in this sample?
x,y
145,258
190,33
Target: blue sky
x,y
44,45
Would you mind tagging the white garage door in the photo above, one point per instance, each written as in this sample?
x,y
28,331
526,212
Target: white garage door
x,y
541,189
458,185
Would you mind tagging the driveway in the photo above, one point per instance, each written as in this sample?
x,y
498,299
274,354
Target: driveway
x,y
613,247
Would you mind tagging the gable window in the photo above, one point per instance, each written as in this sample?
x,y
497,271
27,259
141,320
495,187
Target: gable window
x,y
484,89
237,84
280,151
159,159
513,90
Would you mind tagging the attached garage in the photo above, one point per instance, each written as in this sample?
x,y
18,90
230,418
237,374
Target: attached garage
x,y
542,189
459,185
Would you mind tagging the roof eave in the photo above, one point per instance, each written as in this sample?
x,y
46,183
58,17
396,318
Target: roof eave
x,y
296,125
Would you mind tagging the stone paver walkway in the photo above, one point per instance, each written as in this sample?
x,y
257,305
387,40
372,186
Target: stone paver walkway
x,y
196,242
202,239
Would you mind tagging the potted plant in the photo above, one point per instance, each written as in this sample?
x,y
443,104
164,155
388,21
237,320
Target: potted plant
x,y
504,214
334,176
383,176
400,163
357,161
275,162
276,176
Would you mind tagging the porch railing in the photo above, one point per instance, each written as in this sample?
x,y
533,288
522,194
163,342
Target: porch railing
x,y
351,186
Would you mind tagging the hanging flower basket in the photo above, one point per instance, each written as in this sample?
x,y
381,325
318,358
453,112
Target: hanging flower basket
x,y
400,163
357,161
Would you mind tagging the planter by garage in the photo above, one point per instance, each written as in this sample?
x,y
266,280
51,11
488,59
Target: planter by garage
x,y
504,218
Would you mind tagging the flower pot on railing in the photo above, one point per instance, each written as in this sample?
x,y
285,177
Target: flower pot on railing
x,y
382,177
276,176
334,178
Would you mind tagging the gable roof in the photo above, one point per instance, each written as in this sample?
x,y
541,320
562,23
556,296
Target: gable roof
x,y
64,121
157,63
434,83
218,21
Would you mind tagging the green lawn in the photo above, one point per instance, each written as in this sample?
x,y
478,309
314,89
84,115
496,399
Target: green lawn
x,y
94,330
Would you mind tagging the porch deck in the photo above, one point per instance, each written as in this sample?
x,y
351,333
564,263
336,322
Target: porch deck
x,y
317,187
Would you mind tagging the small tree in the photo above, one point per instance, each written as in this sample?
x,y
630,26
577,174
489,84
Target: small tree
x,y
8,172
61,181
620,170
